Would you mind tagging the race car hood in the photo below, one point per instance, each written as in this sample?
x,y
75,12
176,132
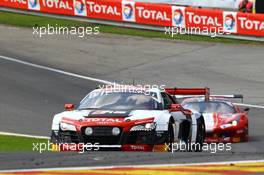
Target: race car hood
x,y
105,117
215,121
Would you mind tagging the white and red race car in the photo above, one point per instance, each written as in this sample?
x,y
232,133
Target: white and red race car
x,y
137,120
224,121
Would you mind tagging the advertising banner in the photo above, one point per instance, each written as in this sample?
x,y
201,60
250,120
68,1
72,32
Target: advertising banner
x,y
250,24
21,4
104,9
203,18
229,4
64,7
178,16
230,22
148,14
128,11
153,14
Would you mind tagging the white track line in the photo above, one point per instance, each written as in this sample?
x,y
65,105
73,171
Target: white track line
x,y
54,70
85,77
133,166
23,135
249,105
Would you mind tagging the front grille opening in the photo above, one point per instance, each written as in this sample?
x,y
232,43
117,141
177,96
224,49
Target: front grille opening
x,y
101,135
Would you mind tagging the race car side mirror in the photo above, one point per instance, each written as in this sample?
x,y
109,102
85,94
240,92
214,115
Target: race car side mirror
x,y
246,109
69,107
175,107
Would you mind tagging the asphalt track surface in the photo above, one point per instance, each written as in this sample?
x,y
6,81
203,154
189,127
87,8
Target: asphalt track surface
x,y
31,96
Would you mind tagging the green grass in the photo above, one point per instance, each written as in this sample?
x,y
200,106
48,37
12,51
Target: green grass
x,y
14,143
30,21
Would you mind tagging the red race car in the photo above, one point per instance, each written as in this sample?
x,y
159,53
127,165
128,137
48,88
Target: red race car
x,y
224,121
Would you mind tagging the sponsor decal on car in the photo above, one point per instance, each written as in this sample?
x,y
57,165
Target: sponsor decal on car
x,y
111,120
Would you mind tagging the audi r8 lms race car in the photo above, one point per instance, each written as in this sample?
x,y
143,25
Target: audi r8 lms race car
x,y
224,121
128,120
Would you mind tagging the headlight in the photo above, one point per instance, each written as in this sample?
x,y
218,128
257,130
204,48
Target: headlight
x,y
230,124
144,127
234,123
115,131
66,126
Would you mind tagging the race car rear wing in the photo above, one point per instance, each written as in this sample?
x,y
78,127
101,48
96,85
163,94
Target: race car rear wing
x,y
233,96
189,91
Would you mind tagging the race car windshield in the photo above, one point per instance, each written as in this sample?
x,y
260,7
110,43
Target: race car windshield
x,y
120,101
210,107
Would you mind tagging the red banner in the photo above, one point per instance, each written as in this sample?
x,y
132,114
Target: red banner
x,y
64,7
203,18
104,9
153,14
250,24
19,4
148,13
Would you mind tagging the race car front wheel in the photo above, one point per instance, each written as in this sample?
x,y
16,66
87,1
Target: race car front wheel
x,y
200,135
54,138
170,136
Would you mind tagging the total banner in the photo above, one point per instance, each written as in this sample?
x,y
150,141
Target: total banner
x,y
228,4
250,24
148,14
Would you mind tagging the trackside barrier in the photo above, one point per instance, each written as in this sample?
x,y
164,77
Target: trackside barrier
x,y
163,15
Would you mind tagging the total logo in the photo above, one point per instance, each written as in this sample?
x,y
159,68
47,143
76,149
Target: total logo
x,y
57,4
80,7
108,120
230,22
249,24
178,16
103,9
128,11
197,19
152,14
33,5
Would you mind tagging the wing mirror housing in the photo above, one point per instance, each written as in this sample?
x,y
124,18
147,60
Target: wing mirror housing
x,y
69,106
175,107
178,107
246,110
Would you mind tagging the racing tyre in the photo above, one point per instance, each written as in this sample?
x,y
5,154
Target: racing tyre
x,y
198,147
54,139
170,136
